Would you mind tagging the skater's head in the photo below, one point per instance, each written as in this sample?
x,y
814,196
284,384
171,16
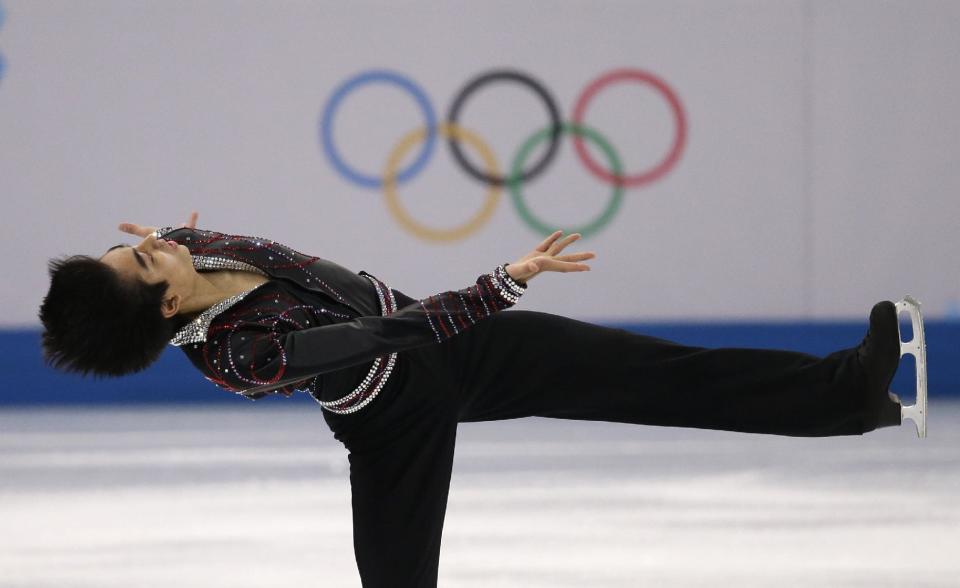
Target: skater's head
x,y
114,315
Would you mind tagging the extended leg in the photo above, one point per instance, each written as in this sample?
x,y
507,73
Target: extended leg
x,y
537,364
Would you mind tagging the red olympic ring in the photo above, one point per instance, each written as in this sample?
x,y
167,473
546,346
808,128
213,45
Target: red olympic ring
x,y
679,118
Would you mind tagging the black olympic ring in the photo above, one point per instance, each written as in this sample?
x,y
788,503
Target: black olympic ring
x,y
505,75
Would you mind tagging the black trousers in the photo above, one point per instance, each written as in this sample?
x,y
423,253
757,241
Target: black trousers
x,y
520,363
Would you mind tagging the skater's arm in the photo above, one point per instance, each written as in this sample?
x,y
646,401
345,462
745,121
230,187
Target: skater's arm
x,y
544,256
251,355
303,353
284,354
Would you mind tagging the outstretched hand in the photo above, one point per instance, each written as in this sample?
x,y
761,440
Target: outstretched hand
x,y
142,231
545,259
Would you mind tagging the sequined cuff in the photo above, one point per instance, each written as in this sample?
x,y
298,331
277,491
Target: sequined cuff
x,y
158,233
514,285
508,288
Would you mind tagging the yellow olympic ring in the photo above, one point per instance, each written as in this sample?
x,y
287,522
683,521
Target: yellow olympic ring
x,y
412,138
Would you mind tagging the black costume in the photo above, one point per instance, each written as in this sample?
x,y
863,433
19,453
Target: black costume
x,y
458,357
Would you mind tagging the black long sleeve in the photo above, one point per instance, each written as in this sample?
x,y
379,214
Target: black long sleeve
x,y
259,355
269,344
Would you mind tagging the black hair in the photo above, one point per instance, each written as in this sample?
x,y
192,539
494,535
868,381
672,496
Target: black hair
x,y
97,322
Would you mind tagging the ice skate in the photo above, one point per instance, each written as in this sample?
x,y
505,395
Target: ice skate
x,y
879,356
916,412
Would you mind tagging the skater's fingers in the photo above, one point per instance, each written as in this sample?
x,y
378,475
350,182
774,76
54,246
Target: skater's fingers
x,y
561,244
545,244
552,264
192,222
135,229
576,256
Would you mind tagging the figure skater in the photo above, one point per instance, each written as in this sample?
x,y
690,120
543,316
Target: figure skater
x,y
395,375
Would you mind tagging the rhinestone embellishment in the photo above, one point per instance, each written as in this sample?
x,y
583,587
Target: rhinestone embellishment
x,y
379,372
196,330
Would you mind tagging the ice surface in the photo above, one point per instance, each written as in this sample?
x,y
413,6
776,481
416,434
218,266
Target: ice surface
x,y
259,497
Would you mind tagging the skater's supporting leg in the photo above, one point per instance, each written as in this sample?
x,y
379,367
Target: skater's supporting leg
x,y
536,364
399,500
401,458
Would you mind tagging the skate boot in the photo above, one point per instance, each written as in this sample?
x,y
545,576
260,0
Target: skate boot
x,y
879,356
917,346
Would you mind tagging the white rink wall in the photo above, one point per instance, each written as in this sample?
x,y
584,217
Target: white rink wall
x,y
818,172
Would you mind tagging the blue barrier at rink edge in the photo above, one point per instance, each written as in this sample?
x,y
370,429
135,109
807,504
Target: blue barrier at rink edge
x,y
173,379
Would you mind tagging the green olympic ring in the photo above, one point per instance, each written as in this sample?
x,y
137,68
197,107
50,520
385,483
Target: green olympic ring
x,y
515,180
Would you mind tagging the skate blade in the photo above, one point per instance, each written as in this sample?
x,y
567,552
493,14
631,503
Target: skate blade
x,y
917,347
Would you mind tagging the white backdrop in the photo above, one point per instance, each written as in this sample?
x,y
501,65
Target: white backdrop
x,y
819,172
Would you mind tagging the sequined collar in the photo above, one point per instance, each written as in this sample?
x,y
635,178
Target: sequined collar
x,y
196,330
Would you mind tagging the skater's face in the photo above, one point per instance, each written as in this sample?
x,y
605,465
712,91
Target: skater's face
x,y
153,261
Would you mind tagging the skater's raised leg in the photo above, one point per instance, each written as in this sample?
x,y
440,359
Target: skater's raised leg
x,y
537,364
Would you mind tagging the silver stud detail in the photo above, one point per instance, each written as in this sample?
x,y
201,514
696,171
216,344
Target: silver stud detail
x,y
363,394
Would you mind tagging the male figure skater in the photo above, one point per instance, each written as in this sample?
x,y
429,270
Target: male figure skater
x,y
395,375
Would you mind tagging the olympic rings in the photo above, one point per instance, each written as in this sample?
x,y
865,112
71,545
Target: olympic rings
x,y
389,77
452,132
491,176
514,76
515,181
679,120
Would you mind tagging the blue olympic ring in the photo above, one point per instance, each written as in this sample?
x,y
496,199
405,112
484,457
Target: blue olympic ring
x,y
383,76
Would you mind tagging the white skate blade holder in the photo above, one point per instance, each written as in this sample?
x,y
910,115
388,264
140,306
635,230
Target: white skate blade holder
x,y
918,348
